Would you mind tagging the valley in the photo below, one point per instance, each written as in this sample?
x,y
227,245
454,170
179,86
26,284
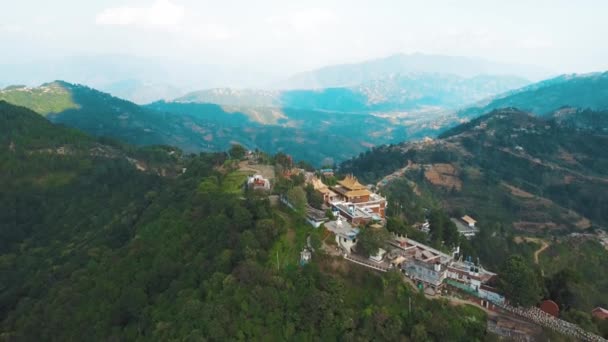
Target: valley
x,y
178,170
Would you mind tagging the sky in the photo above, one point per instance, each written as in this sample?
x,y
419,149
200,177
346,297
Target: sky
x,y
279,37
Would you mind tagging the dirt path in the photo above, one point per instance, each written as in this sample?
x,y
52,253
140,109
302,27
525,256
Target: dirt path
x,y
543,245
399,173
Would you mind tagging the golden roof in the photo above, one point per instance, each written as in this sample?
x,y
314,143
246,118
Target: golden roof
x,y
318,185
351,183
359,193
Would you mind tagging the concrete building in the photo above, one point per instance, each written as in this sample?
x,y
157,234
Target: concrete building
x,y
466,226
346,234
258,182
315,217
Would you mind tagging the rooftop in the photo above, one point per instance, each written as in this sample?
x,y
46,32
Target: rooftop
x,y
464,229
468,219
342,228
351,183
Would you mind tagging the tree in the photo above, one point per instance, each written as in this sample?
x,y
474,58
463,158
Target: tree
x,y
283,160
237,151
519,282
370,240
297,197
559,287
315,199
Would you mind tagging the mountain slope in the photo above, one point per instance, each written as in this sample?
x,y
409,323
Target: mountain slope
x,y
101,114
498,165
352,74
543,98
93,246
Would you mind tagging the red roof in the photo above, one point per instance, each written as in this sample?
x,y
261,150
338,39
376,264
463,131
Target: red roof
x,y
600,313
550,307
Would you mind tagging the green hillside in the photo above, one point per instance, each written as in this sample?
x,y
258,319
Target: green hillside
x,y
519,176
47,99
104,240
539,174
587,91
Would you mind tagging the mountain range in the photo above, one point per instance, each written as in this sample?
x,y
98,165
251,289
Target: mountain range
x,y
395,93
344,75
321,126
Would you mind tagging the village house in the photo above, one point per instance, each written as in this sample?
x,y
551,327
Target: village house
x,y
600,313
466,226
258,182
327,172
432,268
315,217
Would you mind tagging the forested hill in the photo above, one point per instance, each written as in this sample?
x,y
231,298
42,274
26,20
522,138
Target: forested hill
x,y
97,241
101,114
586,91
519,176
515,157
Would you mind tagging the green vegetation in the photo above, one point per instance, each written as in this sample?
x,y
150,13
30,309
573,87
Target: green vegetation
x,y
233,182
519,282
515,169
50,98
543,98
370,240
578,273
175,257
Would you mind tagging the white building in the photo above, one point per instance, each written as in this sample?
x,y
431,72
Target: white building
x,y
258,182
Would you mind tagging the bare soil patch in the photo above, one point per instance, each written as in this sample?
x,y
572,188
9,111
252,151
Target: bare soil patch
x,y
515,191
443,175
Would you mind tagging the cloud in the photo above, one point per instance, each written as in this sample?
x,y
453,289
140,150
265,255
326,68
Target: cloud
x,y
305,22
162,14
10,28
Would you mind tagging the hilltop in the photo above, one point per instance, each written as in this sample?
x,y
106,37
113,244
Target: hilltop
x,y
586,91
503,162
167,252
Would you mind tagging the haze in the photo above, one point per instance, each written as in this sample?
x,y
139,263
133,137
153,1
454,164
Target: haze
x,y
257,43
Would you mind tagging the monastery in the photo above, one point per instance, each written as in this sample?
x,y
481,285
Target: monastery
x,y
352,200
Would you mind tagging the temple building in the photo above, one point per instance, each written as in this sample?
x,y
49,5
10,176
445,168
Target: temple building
x,y
328,195
356,202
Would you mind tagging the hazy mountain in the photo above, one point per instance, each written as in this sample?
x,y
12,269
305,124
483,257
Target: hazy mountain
x,y
543,98
407,92
101,114
357,73
142,92
135,78
305,134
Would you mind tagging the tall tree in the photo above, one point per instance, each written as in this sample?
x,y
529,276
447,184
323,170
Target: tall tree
x,y
520,282
370,240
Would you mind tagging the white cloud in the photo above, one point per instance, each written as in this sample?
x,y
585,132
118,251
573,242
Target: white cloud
x,y
10,28
305,22
162,14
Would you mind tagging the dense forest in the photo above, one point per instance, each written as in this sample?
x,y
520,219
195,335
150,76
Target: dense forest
x,y
107,241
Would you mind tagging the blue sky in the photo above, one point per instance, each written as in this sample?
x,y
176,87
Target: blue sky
x,y
289,36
